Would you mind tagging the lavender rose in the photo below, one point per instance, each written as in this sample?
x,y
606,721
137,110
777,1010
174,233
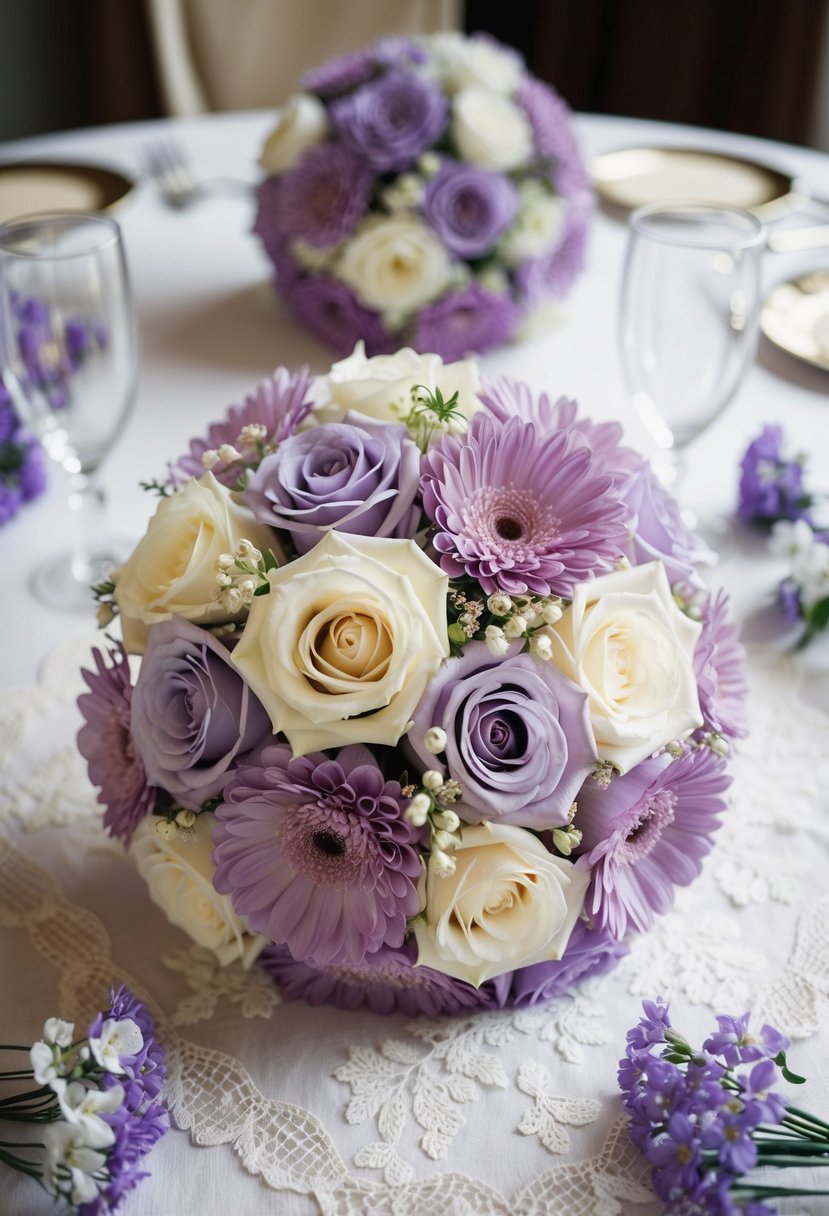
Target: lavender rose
x,y
518,736
469,208
658,530
356,476
390,121
192,713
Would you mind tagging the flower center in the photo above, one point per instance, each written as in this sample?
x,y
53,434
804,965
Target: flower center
x,y
328,842
329,847
510,522
645,831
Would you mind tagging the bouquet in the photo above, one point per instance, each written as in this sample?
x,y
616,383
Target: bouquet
x,y
427,192
433,707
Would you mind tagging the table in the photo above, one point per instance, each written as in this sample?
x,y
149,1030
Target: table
x,y
259,1075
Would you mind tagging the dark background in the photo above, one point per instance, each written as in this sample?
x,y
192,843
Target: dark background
x,y
751,66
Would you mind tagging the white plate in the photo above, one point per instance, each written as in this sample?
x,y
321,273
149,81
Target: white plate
x,y
795,318
27,187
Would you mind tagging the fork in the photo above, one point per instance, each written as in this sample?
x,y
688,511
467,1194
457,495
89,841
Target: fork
x,y
167,164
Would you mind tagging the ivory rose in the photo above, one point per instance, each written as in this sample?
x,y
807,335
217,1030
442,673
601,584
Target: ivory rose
x,y
179,876
477,61
171,571
382,387
625,641
342,648
491,130
301,124
395,264
508,904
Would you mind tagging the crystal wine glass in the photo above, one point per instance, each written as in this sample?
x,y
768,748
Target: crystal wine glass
x,y
689,320
68,355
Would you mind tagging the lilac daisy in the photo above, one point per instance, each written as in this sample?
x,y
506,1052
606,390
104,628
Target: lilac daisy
x,y
323,196
551,121
646,833
106,743
463,321
521,511
387,981
279,404
268,228
340,74
720,668
316,854
331,312
390,121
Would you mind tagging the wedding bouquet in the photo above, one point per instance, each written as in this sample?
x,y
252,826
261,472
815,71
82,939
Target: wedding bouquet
x,y
432,708
424,191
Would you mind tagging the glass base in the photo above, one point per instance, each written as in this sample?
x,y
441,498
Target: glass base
x,y
65,581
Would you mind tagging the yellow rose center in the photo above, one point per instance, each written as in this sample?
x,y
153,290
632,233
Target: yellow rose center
x,y
350,646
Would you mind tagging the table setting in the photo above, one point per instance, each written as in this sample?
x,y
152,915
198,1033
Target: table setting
x,y
416,663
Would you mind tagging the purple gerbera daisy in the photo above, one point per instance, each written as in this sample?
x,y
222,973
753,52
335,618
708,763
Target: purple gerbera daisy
x,y
551,120
105,742
323,196
719,665
387,981
646,833
340,74
331,312
519,510
279,404
463,321
551,276
316,854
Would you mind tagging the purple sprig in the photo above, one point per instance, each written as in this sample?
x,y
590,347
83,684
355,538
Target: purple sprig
x,y
703,1122
771,483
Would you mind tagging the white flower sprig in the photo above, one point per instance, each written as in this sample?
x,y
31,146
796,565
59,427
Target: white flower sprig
x,y
804,592
242,574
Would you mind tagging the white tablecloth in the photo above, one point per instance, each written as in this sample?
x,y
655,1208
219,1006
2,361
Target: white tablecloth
x,y
537,1131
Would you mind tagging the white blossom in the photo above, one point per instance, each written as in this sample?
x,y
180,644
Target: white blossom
x,y
121,1037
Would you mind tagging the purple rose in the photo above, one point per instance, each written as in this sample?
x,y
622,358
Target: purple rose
x,y
469,207
658,530
360,478
192,713
390,121
590,952
518,736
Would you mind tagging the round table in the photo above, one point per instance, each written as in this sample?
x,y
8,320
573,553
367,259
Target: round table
x,y
327,1110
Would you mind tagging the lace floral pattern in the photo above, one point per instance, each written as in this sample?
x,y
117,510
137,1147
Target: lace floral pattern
x,y
405,1099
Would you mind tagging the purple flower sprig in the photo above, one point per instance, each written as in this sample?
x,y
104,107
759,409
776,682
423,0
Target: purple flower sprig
x,y
772,482
97,1099
705,1118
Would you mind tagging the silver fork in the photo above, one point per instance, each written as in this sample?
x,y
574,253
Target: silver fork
x,y
166,163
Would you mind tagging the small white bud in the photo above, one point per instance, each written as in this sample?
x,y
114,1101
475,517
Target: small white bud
x,y
228,453
541,647
432,779
429,164
447,820
224,561
210,458
718,745
435,740
562,842
515,627
496,641
445,841
166,830
246,548
186,818
105,614
441,864
253,433
224,579
417,812
551,613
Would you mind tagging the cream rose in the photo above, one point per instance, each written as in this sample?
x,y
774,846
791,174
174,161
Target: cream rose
x,y
508,904
179,876
631,649
346,641
491,130
538,227
301,123
171,571
395,264
383,387
476,61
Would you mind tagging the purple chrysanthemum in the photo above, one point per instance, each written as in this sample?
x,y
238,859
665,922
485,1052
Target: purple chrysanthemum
x,y
331,312
279,404
387,981
464,321
105,742
552,276
646,833
316,854
469,207
551,121
268,228
506,398
719,665
390,121
771,484
590,952
341,73
519,510
323,196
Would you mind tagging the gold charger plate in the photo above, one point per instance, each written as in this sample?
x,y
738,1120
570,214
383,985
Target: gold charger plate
x,y
631,177
795,318
31,186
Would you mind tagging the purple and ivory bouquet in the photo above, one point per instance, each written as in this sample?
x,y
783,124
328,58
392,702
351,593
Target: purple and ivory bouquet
x,y
432,709
427,192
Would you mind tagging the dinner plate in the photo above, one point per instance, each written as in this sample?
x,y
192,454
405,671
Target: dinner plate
x,y
795,317
632,177
31,186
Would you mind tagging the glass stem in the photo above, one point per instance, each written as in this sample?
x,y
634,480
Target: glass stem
x,y
88,505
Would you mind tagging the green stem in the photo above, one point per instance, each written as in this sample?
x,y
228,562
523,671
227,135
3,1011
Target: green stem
x,y
791,1146
14,1047
43,1091
771,1192
804,1117
20,1144
781,1162
23,1167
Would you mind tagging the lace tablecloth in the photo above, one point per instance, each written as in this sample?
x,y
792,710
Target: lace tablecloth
x,y
289,1109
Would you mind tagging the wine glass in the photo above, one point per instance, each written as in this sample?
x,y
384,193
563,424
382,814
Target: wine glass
x,y
689,320
68,354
